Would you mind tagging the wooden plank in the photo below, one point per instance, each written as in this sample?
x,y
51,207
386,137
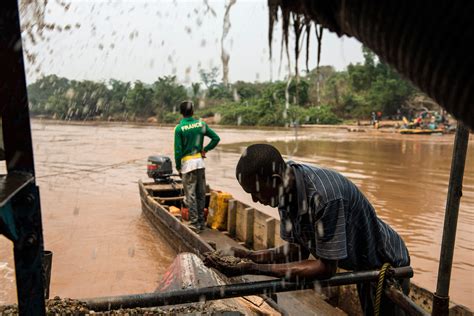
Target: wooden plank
x,y
239,221
404,302
307,303
270,238
171,199
164,186
244,224
250,213
261,230
168,199
231,217
278,241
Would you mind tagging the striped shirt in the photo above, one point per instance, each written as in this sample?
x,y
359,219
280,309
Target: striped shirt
x,y
333,220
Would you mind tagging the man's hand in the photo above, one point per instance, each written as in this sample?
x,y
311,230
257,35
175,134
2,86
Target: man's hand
x,y
238,269
234,251
203,154
228,267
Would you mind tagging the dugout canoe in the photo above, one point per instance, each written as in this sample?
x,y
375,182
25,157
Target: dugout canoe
x,y
252,229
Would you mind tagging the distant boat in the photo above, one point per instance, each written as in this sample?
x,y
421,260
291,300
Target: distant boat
x,y
426,131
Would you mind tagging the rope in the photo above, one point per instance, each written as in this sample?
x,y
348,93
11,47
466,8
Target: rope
x,y
380,284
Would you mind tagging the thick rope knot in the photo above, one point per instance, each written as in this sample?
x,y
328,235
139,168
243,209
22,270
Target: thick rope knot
x,y
380,284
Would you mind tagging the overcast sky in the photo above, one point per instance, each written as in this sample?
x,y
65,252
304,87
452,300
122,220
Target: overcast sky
x,y
143,40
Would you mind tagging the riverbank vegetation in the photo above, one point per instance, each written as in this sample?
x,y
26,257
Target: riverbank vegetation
x,y
323,96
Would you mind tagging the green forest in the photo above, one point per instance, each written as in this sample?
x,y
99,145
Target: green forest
x,y
320,96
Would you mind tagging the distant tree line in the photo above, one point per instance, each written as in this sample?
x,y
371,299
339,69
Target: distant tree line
x,y
321,96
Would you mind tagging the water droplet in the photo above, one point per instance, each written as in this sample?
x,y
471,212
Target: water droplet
x,y
202,299
317,286
320,228
17,46
286,249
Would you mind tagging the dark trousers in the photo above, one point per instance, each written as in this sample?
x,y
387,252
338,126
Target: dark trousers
x,y
367,292
194,184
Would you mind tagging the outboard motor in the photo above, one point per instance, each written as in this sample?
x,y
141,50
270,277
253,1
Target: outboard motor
x,y
160,169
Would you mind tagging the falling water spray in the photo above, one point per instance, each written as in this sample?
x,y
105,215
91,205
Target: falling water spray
x,y
225,31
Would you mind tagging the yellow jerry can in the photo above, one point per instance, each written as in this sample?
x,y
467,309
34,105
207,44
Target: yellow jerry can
x,y
218,204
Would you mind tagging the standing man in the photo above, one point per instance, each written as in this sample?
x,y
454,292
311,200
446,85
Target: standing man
x,y
189,157
322,213
373,118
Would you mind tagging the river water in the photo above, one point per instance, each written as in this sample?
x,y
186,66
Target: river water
x,y
103,246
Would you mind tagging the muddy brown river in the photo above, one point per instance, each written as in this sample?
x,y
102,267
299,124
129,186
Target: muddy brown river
x,y
103,246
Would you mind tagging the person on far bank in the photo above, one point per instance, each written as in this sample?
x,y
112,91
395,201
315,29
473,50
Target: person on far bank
x,y
189,155
322,213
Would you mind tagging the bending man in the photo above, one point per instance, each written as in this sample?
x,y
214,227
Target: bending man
x,y
322,213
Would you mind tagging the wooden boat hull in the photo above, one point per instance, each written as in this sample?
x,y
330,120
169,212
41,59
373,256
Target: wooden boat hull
x,y
180,237
254,230
183,240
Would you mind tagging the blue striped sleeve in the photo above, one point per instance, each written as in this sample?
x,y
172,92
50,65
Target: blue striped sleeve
x,y
286,226
330,232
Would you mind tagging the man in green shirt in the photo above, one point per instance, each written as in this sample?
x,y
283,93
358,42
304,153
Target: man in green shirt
x,y
189,153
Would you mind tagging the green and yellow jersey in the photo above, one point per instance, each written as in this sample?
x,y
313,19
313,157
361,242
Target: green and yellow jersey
x,y
189,138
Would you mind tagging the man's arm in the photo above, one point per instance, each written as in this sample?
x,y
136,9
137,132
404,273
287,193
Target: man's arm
x,y
178,148
214,139
295,271
306,269
283,254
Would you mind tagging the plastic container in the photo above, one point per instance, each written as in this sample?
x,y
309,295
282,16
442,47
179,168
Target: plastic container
x,y
175,210
185,213
218,206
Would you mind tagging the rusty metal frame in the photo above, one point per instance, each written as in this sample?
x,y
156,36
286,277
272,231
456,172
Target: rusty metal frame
x,y
20,211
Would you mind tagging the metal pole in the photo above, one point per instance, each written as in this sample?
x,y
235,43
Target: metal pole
x,y
441,297
24,201
233,290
